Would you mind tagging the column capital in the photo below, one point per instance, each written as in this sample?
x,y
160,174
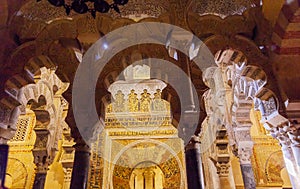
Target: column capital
x,y
42,160
222,169
194,143
81,147
281,134
244,151
242,134
294,133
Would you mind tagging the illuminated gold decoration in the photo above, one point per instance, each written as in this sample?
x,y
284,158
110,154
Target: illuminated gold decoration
x,y
145,101
18,174
139,146
119,105
41,134
21,130
133,102
20,166
267,159
148,172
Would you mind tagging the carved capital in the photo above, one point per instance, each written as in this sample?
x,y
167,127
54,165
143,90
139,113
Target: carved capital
x,y
222,169
41,138
194,143
82,147
42,160
43,155
68,174
245,151
242,133
281,134
294,133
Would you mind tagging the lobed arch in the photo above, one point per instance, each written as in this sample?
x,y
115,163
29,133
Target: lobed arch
x,y
160,146
245,24
240,86
129,57
10,89
240,43
215,25
46,84
248,84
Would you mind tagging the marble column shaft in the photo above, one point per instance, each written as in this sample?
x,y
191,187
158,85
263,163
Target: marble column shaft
x,y
194,165
80,168
248,176
3,162
39,180
244,154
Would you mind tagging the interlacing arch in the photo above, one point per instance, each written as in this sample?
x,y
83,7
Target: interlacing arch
x,y
40,96
243,87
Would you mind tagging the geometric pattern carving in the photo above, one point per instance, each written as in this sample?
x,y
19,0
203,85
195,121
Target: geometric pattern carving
x,y
24,130
96,164
222,8
21,132
137,10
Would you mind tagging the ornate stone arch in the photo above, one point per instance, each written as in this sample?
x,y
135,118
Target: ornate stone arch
x,y
240,86
42,93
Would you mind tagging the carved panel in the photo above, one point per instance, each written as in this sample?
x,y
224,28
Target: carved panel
x,y
21,132
222,8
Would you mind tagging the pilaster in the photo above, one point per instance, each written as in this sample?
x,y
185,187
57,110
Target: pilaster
x,y
222,158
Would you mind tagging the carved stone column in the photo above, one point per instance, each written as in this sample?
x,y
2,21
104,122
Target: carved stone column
x,y
293,114
80,167
67,178
243,151
67,162
67,157
223,172
149,179
244,154
222,159
194,164
42,157
42,162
